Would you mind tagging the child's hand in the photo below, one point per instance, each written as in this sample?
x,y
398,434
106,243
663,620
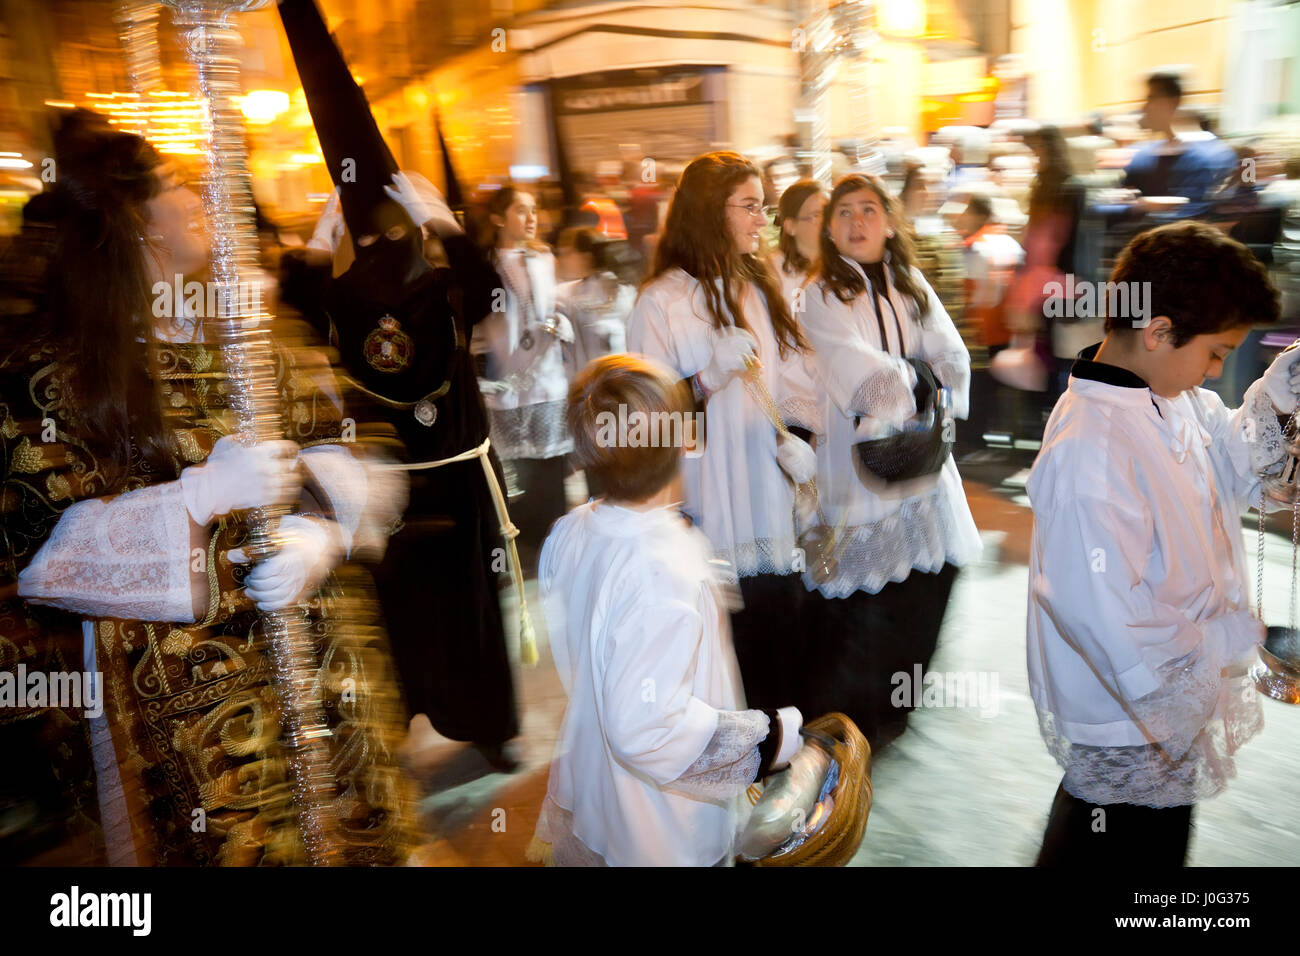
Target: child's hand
x,y
1282,380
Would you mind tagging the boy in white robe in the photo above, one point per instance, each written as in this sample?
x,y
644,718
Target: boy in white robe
x,y
656,745
1139,627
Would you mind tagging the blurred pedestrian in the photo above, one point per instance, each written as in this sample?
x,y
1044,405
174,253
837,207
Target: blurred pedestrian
x,y
799,217
525,380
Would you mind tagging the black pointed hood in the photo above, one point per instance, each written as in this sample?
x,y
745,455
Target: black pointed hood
x,y
356,155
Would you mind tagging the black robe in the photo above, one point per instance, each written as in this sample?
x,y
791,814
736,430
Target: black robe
x,y
399,327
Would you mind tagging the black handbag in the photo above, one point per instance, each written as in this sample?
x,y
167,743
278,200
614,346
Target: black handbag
x,y
923,445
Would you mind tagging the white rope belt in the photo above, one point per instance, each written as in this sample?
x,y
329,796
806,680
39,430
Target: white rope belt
x,y
527,638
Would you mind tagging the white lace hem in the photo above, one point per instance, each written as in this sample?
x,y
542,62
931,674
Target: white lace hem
x,y
762,556
925,533
1147,775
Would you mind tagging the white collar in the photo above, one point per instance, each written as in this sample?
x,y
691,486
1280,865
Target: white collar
x,y
620,521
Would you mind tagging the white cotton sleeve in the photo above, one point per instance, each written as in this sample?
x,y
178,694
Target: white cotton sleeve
x,y
126,557
649,334
341,479
1103,608
366,494
730,761
653,722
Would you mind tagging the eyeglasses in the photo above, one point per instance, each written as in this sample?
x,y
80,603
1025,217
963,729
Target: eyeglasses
x,y
752,208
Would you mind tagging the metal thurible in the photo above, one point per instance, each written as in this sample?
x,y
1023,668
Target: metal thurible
x,y
214,46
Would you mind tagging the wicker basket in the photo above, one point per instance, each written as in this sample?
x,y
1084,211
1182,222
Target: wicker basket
x,y
841,835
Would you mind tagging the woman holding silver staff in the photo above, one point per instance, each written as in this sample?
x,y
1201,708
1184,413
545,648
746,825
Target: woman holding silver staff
x,y
884,350
125,501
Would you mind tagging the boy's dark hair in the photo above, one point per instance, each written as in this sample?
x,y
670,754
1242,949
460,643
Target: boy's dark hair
x,y
980,205
1202,280
1165,84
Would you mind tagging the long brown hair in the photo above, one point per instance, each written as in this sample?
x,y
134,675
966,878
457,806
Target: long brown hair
x,y
696,241
840,278
99,296
792,201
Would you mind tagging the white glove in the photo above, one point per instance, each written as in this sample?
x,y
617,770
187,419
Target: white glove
x,y
310,549
423,203
796,458
1282,381
238,476
330,227
493,386
791,722
730,352
563,329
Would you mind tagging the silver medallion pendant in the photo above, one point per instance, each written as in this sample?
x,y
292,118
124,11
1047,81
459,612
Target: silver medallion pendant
x,y
426,413
526,340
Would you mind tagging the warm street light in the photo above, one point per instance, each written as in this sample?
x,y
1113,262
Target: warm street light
x,y
261,107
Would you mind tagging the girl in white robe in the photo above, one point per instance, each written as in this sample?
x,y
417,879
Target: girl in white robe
x,y
710,311
897,547
525,379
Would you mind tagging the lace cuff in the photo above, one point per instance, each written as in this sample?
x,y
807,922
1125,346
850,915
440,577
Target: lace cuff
x,y
802,413
1178,711
126,557
730,759
1262,431
886,395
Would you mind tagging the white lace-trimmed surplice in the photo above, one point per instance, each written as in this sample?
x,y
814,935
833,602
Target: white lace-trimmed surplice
x,y
1139,629
527,420
735,492
654,748
922,524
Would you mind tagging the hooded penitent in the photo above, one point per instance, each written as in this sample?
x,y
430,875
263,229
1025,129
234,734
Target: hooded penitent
x,y
390,318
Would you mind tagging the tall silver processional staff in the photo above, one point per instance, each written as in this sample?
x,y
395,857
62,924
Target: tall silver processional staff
x,y
212,44
827,31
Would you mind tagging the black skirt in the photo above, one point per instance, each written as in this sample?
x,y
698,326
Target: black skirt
x,y
768,636
853,646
